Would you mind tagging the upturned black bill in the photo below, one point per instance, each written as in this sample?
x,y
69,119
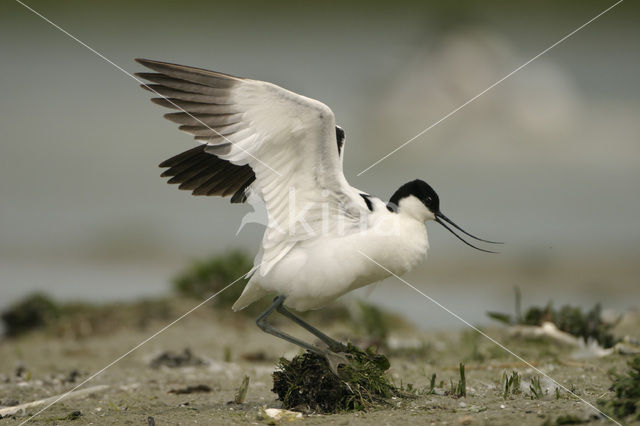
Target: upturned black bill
x,y
441,219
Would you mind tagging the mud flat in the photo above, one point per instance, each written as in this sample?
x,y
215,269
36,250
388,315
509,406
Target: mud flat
x,y
191,373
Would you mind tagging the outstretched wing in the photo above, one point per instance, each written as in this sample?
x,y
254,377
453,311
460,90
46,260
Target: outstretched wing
x,y
287,140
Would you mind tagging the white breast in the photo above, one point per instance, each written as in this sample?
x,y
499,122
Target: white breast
x,y
316,273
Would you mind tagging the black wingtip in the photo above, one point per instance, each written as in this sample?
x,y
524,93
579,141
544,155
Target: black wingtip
x,y
144,75
143,61
155,65
151,76
164,102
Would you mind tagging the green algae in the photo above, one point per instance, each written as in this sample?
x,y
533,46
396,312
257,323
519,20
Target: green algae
x,y
306,382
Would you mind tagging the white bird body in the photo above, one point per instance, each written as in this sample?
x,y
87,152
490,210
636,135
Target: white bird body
x,y
323,237
319,270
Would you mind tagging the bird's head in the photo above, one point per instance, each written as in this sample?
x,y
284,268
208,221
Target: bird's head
x,y
418,200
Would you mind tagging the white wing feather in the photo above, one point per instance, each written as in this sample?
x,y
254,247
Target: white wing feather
x,y
288,140
290,145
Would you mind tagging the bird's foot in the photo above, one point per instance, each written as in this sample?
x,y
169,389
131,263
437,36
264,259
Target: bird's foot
x,y
338,347
332,346
335,359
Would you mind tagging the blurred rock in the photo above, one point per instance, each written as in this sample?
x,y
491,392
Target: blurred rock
x,y
175,360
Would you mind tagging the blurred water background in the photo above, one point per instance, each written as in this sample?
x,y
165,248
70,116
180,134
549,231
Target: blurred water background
x,y
548,161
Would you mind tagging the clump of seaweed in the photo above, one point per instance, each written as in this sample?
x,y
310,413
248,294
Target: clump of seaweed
x,y
33,312
570,319
626,401
306,382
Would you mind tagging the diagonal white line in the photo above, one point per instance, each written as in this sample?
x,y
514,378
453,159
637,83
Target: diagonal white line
x,y
97,373
142,82
492,339
422,132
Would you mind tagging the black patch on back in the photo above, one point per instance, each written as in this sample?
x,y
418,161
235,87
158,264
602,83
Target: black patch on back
x,y
419,189
367,201
339,139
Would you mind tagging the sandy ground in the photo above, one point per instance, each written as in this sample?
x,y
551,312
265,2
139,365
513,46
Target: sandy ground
x,y
41,365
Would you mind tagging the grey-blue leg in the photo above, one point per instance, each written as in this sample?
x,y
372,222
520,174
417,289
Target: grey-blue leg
x,y
267,328
334,359
333,345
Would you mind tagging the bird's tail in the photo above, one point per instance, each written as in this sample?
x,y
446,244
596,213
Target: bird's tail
x,y
252,292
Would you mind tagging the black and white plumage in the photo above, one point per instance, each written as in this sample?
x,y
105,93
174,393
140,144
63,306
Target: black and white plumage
x,y
286,148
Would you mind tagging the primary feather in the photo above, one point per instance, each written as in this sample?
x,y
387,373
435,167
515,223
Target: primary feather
x,y
263,138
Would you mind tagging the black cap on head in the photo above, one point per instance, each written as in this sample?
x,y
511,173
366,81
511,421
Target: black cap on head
x,y
419,189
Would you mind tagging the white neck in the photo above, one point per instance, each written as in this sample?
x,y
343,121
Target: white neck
x,y
411,206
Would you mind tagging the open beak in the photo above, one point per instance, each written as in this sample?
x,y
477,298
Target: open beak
x,y
441,219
